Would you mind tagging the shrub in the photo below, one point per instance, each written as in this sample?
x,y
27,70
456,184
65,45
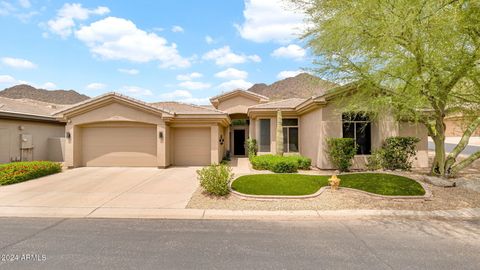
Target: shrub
x,y
280,164
397,152
251,147
375,160
284,165
215,178
341,152
304,163
17,172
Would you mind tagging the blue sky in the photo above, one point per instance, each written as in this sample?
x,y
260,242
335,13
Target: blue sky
x,y
152,50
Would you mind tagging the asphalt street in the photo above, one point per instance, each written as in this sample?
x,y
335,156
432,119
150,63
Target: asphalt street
x,y
385,243
470,149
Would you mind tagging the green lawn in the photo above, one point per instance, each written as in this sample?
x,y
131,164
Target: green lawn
x,y
298,184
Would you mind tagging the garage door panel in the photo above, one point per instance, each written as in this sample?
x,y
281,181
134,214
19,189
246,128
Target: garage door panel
x,y
192,146
119,146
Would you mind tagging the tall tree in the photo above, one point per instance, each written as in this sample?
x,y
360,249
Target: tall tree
x,y
416,58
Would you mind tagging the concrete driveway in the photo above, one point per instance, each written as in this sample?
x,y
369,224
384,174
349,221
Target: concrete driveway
x,y
95,188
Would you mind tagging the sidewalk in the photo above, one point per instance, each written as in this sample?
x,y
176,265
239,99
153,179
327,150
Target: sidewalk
x,y
212,214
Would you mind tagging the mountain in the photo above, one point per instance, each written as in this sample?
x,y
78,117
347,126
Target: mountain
x,y
303,85
51,96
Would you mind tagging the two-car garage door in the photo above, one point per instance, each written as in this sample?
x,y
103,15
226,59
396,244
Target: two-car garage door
x,y
136,146
109,146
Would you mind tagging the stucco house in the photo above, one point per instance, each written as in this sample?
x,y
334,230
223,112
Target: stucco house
x,y
116,130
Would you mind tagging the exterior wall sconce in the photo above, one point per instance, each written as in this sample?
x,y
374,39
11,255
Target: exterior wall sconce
x,y
160,135
221,140
68,135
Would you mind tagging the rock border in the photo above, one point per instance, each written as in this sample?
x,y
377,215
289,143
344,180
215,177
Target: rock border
x,y
426,197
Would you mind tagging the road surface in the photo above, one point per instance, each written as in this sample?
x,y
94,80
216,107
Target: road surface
x,y
193,244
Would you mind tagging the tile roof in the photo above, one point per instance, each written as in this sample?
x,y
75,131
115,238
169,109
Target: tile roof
x,y
184,108
290,103
29,106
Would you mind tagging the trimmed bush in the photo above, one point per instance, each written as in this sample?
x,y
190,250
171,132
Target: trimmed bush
x,y
215,178
341,152
397,152
17,172
375,160
280,164
304,163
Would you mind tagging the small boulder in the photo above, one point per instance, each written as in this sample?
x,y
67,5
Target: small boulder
x,y
438,181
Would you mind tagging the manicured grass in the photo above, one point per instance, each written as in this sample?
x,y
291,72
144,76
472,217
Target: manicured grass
x,y
298,184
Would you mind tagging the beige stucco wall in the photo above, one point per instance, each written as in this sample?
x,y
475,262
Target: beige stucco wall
x,y
236,104
10,138
310,134
56,149
420,131
113,113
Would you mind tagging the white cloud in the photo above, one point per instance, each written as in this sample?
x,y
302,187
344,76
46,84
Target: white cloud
x,y
177,29
292,51
271,20
191,85
129,71
225,57
117,39
48,85
189,77
7,79
209,40
18,63
232,73
198,101
25,3
235,84
64,22
175,95
183,96
288,73
96,86
135,91
6,8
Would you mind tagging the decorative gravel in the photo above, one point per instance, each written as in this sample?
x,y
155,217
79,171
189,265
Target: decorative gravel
x,y
443,199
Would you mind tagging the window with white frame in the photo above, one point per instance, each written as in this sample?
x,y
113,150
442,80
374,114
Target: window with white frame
x,y
290,134
358,127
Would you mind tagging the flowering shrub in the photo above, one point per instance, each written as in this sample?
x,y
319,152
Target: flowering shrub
x,y
17,172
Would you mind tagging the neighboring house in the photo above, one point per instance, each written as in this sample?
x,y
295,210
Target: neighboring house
x,y
456,126
115,130
28,131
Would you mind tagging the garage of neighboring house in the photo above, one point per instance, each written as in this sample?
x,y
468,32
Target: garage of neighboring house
x,y
191,146
127,144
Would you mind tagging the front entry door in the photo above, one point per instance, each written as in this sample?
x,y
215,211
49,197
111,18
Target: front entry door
x,y
239,142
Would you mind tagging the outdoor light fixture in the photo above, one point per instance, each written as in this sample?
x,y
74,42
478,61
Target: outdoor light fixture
x,y
160,135
68,135
221,140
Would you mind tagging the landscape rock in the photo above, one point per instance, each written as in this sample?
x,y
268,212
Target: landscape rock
x,y
439,182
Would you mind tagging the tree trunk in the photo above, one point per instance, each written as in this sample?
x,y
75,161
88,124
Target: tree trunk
x,y
279,137
438,166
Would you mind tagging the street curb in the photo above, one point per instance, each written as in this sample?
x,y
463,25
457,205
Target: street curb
x,y
220,214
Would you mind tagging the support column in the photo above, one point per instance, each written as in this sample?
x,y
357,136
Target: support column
x,y
161,146
214,145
